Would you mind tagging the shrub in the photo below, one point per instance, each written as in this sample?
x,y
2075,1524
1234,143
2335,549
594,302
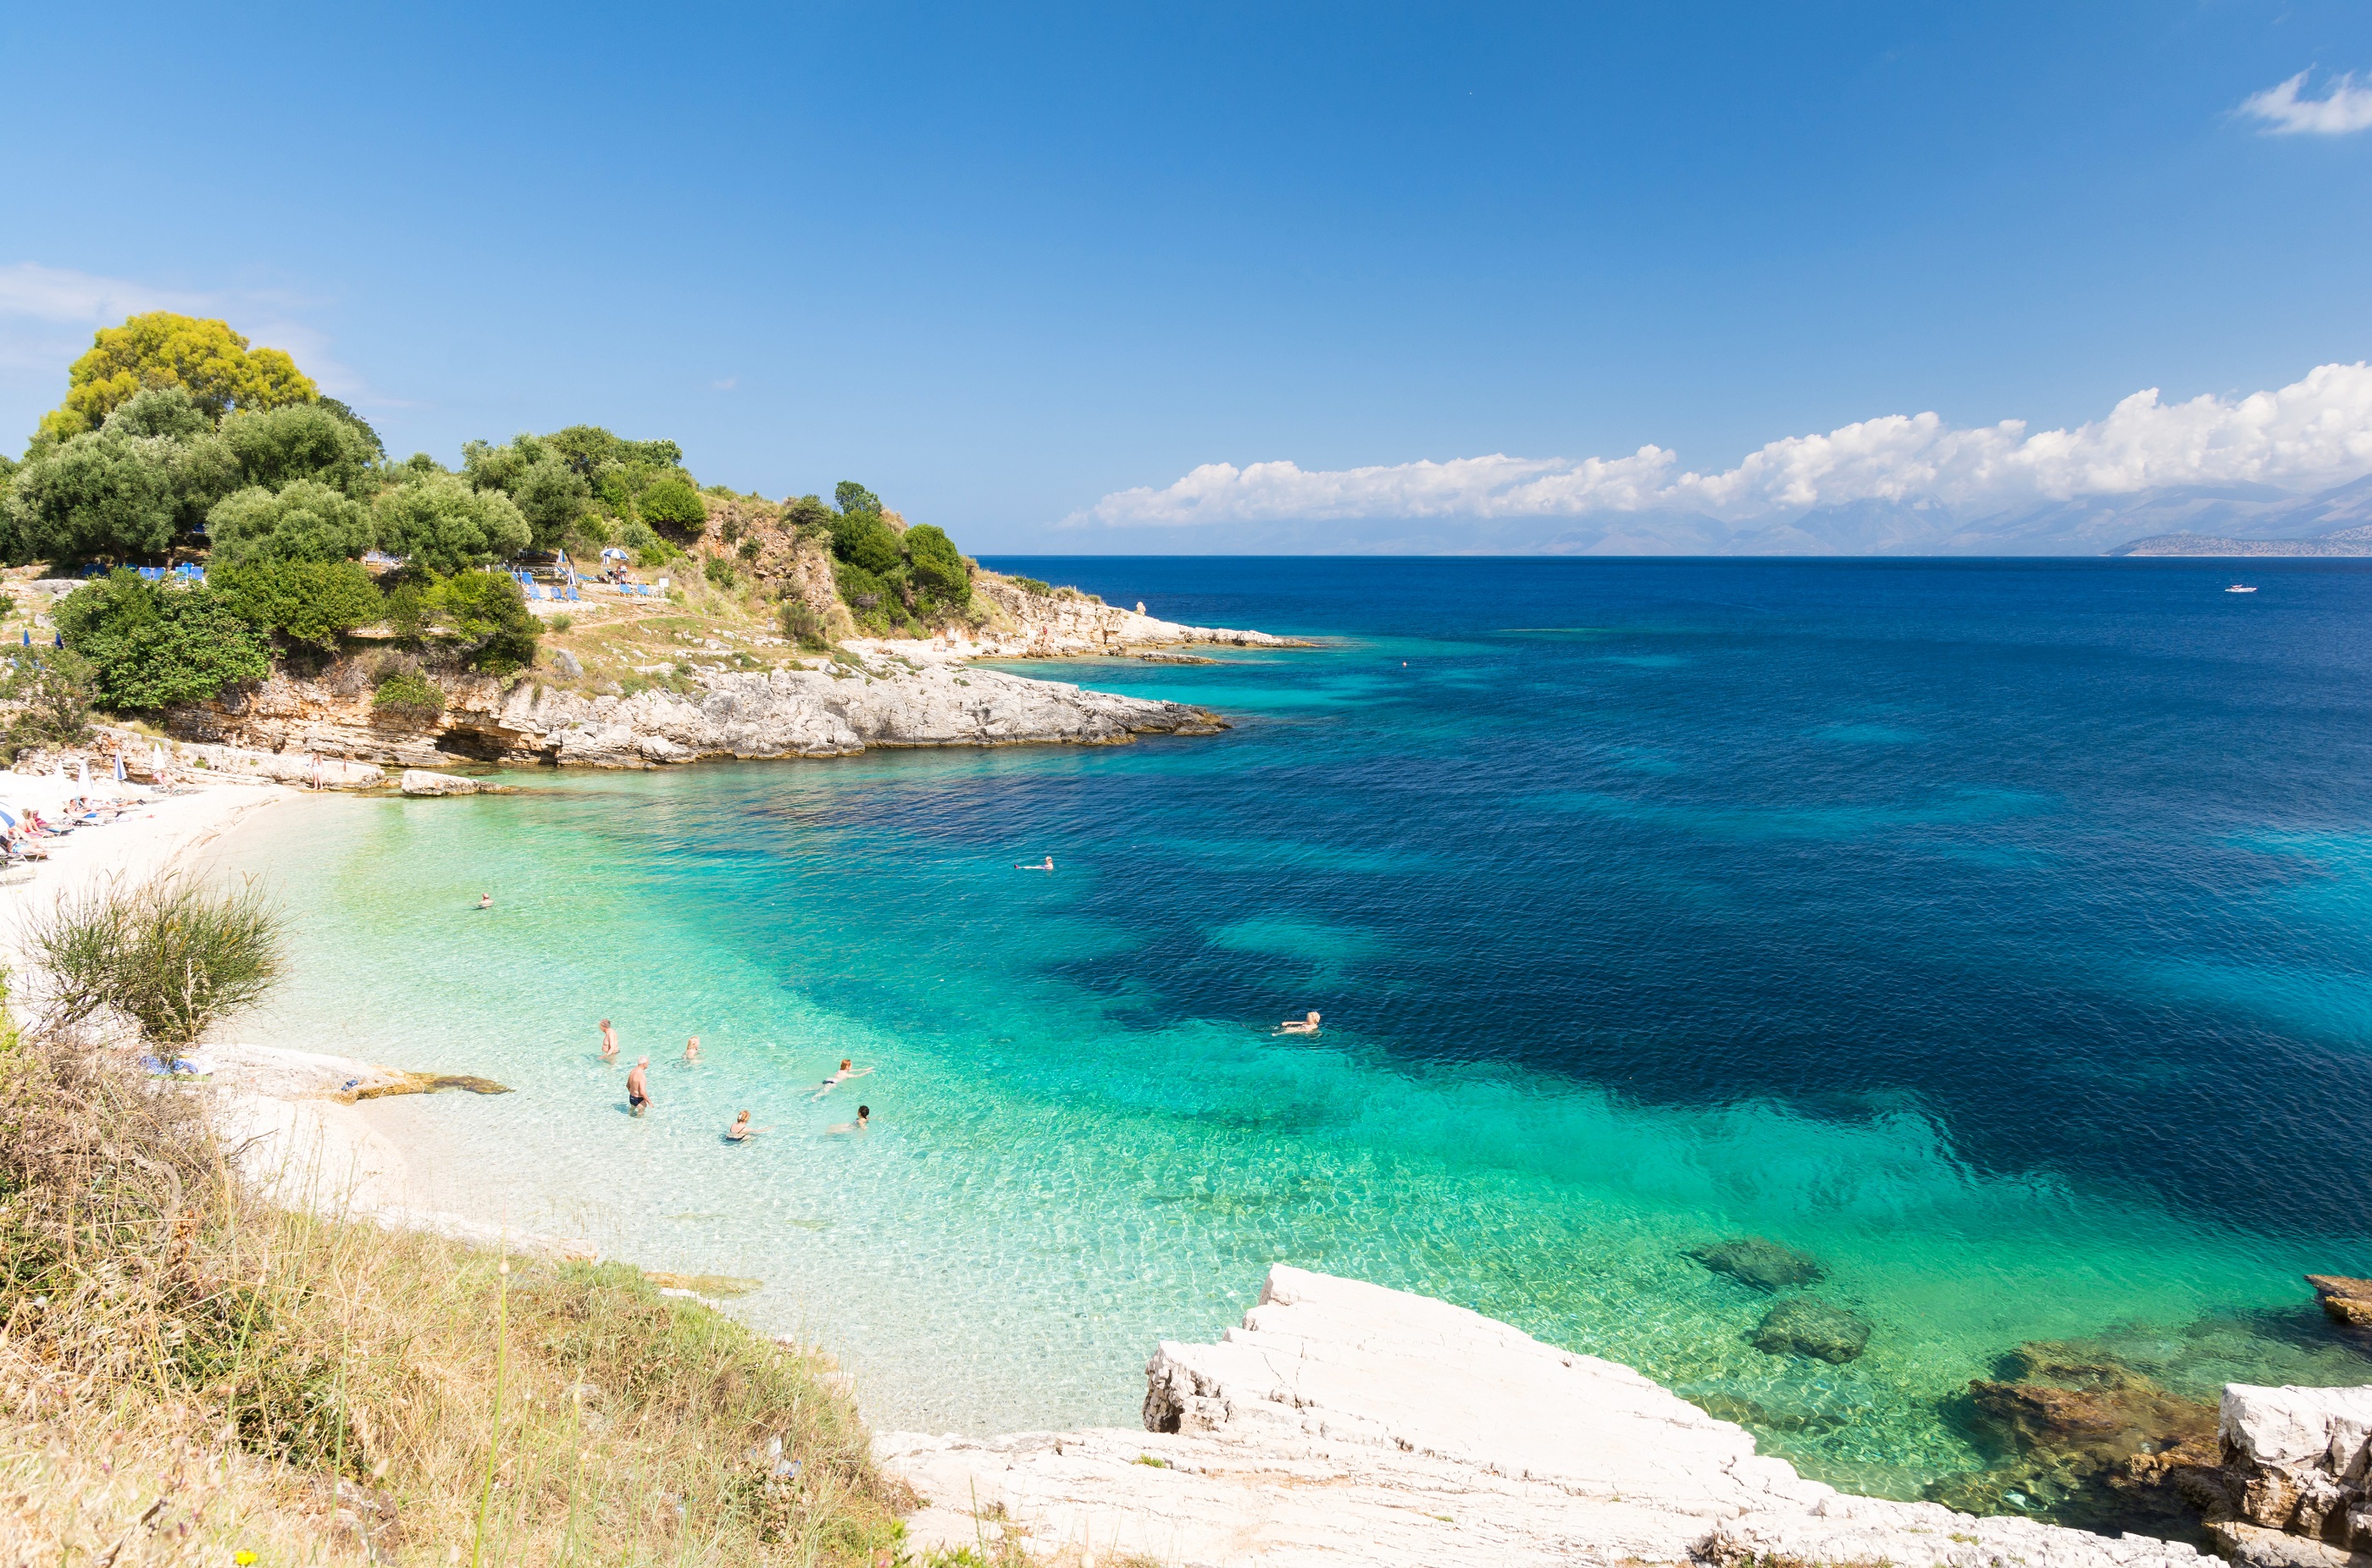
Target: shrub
x,y
150,645
721,573
939,568
562,623
52,689
406,693
171,955
749,550
671,500
802,625
306,602
483,617
1029,586
853,497
861,538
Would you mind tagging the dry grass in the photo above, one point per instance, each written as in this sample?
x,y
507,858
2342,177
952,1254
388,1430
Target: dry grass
x,y
186,1374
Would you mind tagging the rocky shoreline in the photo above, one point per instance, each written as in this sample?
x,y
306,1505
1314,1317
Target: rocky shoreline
x,y
1345,1422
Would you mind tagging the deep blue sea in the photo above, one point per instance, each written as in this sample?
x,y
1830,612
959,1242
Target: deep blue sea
x,y
1999,933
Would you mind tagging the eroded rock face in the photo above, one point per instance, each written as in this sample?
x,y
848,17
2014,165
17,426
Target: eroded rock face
x,y
1765,1265
2296,1460
1811,1327
781,713
1348,1424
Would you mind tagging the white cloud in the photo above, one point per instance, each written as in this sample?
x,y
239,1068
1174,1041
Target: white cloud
x,y
39,308
2313,432
2344,107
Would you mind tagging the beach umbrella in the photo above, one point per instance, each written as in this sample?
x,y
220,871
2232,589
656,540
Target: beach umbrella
x,y
119,767
82,772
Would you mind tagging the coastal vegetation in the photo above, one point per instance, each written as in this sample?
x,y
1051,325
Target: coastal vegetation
x,y
294,537
191,1375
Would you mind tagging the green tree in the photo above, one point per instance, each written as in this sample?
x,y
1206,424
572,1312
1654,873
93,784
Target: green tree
x,y
121,491
548,490
161,349
939,567
303,441
307,520
853,497
151,646
672,499
441,523
589,450
168,412
361,427
315,602
50,691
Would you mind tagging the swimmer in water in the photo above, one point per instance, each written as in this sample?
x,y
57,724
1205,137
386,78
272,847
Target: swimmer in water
x,y
863,1115
608,1043
1307,1025
846,1072
1047,864
741,1131
485,901
692,1051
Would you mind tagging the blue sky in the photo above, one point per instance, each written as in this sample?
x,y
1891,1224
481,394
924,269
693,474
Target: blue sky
x,y
1005,264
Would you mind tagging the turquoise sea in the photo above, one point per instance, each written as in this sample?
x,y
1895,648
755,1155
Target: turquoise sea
x,y
1995,932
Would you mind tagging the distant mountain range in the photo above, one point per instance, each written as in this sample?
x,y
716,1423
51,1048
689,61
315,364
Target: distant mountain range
x,y
2175,521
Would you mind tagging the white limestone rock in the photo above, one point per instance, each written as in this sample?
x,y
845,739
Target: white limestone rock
x,y
2296,1460
1348,1424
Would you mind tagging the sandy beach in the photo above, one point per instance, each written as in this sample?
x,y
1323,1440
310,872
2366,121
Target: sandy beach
x,y
302,1123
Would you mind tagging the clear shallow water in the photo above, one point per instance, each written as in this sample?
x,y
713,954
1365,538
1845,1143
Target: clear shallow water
x,y
1997,932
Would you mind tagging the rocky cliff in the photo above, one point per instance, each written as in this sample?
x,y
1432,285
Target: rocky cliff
x,y
1348,1424
831,711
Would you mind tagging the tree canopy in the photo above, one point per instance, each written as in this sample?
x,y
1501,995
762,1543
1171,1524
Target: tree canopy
x,y
315,602
442,523
549,491
672,499
205,358
130,488
304,441
853,497
304,520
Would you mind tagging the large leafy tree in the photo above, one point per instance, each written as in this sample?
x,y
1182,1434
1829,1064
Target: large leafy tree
x,y
304,441
131,488
151,646
853,497
304,520
444,524
548,490
861,538
205,358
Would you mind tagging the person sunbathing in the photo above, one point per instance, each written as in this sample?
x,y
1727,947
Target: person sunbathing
x,y
1307,1025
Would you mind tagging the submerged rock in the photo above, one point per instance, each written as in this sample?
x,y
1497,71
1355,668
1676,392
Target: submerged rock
x,y
1811,1327
1765,1265
418,781
2091,1441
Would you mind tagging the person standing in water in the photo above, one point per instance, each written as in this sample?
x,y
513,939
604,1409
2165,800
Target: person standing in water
x,y
741,1131
638,1086
485,901
608,1043
692,1051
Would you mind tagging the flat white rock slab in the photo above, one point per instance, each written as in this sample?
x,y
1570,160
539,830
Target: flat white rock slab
x,y
1348,1424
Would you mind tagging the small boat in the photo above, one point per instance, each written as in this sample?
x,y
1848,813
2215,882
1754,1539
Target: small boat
x,y
2241,588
